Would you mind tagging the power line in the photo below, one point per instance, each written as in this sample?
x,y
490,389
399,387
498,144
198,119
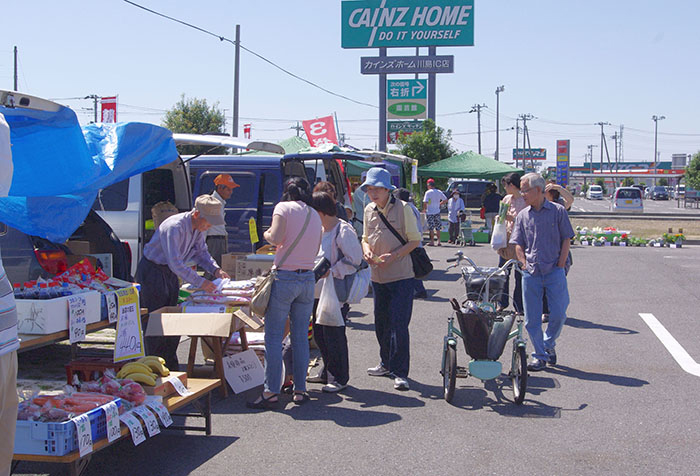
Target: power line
x,y
223,38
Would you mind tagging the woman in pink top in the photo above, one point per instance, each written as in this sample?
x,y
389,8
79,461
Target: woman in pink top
x,y
511,182
292,292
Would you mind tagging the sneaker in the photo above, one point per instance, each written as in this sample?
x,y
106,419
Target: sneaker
x,y
400,383
536,365
378,371
334,387
552,356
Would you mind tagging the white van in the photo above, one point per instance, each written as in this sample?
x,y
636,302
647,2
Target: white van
x,y
126,205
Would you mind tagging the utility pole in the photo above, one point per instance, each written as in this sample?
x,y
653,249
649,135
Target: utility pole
x,y
15,68
477,109
590,155
517,139
526,136
236,80
298,128
602,138
617,165
499,90
656,120
94,97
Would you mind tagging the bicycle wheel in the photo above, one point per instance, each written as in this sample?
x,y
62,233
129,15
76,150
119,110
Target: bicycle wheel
x,y
518,374
449,376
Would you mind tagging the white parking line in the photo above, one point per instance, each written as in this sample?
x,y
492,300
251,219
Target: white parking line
x,y
684,359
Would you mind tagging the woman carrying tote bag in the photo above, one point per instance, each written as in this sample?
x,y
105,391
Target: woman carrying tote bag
x,y
292,294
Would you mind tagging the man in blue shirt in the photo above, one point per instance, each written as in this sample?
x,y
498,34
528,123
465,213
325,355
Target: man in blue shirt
x,y
179,240
542,236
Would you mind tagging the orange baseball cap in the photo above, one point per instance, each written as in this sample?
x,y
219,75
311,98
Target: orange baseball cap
x,y
225,179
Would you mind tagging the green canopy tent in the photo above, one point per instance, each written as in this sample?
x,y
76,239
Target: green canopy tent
x,y
467,165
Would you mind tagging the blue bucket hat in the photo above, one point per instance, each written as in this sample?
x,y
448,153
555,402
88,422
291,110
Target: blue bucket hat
x,y
377,177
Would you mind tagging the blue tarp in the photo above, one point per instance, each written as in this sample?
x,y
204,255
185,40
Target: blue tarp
x,y
59,167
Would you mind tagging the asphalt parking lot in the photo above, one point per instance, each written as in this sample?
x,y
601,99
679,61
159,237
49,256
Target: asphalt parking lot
x,y
618,402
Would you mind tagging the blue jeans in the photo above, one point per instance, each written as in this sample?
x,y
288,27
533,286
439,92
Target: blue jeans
x,y
292,295
393,305
517,293
534,287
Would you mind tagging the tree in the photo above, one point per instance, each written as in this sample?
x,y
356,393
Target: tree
x,y
194,116
428,146
628,182
663,181
601,181
692,172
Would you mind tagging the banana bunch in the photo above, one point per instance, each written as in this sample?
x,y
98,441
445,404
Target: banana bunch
x,y
156,364
145,370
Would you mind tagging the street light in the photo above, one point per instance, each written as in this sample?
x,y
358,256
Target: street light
x,y
499,90
656,120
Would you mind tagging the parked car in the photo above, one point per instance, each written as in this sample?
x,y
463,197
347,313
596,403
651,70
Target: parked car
x,y
470,191
640,187
658,192
27,257
594,192
627,200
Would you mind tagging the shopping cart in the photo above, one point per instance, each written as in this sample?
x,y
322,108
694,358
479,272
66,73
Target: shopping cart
x,y
483,330
465,230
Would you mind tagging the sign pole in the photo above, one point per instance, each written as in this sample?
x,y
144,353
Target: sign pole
x,y
382,106
432,51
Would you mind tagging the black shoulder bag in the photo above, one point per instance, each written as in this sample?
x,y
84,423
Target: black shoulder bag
x,y
421,261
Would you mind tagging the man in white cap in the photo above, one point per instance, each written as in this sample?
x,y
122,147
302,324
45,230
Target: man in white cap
x,y
178,240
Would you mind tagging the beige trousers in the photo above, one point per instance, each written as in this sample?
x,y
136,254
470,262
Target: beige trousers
x,y
8,409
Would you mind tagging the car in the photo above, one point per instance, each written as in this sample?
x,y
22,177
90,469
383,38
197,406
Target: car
x,y
627,200
594,192
470,191
680,191
658,192
640,187
27,257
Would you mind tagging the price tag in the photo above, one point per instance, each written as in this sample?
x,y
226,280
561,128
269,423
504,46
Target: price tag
x,y
111,307
112,415
149,419
134,424
253,230
162,412
179,386
77,318
82,425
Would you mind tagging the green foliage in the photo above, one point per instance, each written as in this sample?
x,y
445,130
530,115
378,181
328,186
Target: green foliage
x,y
628,182
428,146
584,187
601,181
194,116
692,172
663,181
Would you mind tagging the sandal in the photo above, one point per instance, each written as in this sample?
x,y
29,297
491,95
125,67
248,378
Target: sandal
x,y
304,398
263,403
288,388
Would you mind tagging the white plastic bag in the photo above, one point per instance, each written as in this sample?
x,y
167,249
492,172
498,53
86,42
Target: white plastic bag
x,y
360,286
499,237
328,312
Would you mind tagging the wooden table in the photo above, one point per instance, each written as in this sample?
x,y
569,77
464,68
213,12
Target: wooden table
x,y
200,388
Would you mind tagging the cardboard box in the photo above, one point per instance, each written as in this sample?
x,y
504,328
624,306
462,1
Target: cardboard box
x,y
46,316
228,263
171,321
252,266
164,388
79,247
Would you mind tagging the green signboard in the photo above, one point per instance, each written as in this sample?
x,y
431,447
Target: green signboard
x,y
407,23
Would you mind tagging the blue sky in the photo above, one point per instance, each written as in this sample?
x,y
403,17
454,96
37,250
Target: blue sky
x,y
569,63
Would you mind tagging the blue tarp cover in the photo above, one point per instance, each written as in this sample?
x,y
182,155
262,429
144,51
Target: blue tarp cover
x,y
59,167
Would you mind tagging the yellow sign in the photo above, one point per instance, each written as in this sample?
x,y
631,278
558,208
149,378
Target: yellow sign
x,y
253,231
129,342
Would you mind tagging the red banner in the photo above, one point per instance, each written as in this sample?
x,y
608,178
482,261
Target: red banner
x,y
320,131
109,109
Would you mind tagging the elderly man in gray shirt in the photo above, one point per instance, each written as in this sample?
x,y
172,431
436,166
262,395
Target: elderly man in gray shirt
x,y
180,239
542,235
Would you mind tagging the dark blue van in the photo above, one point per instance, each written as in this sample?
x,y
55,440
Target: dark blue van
x,y
260,179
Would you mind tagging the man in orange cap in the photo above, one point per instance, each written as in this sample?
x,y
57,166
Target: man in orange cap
x,y
217,238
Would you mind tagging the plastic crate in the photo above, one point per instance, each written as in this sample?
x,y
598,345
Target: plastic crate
x,y
57,439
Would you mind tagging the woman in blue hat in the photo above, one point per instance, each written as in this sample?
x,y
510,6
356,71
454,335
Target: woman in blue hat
x,y
392,273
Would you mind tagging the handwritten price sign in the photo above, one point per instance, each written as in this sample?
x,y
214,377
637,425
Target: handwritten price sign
x,y
149,419
135,428
112,416
162,412
129,343
111,307
77,318
82,425
178,386
243,371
